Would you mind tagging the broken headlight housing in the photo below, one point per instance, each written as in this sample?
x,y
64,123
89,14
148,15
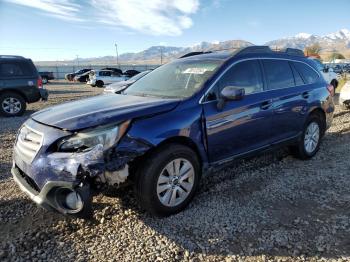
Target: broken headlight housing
x,y
104,135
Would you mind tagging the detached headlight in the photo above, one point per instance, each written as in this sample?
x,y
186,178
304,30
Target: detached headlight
x,y
105,135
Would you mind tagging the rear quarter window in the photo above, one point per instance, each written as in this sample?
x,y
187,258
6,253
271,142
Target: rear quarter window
x,y
278,74
309,75
16,69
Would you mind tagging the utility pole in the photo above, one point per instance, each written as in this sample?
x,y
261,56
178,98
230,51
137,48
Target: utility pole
x,y
161,55
116,51
78,60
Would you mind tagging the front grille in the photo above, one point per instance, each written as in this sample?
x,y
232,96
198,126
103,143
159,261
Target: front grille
x,y
29,180
28,143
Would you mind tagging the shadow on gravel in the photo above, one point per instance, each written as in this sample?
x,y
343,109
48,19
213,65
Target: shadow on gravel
x,y
28,232
5,170
235,218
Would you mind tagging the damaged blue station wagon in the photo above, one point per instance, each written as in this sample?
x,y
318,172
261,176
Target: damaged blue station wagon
x,y
200,111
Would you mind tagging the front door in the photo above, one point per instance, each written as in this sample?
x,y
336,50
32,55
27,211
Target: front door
x,y
241,126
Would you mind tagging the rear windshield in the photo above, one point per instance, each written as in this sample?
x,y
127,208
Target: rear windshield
x,y
16,69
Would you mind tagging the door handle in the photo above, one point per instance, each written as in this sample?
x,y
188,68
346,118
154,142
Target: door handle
x,y
266,105
305,95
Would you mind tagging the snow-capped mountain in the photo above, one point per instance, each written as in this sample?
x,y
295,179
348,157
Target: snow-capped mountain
x,y
334,41
337,41
169,52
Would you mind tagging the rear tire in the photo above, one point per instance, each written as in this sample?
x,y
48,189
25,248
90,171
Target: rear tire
x,y
12,104
163,192
334,83
310,140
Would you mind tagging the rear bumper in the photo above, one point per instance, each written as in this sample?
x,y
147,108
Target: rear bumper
x,y
44,94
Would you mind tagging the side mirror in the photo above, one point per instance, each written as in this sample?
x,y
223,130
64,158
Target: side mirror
x,y
230,93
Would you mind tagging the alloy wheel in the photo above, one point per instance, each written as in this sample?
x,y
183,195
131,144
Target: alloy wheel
x,y
312,137
11,105
175,182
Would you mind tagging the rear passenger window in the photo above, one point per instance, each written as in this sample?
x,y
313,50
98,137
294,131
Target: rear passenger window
x,y
15,69
297,77
246,74
278,74
309,75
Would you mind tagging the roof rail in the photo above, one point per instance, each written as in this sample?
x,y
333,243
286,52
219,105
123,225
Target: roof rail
x,y
11,56
293,51
254,49
195,53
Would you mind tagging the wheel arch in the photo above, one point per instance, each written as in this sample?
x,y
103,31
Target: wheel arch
x,y
319,112
180,140
15,91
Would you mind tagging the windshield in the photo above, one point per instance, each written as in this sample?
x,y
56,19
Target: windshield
x,y
179,79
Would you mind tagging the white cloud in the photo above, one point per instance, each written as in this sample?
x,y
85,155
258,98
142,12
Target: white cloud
x,y
62,9
156,17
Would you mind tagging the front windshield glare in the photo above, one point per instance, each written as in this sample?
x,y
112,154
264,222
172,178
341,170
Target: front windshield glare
x,y
179,79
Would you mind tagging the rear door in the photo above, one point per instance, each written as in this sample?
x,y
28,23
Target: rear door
x,y
241,126
289,95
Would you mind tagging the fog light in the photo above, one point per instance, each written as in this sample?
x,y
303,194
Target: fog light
x,y
69,200
73,201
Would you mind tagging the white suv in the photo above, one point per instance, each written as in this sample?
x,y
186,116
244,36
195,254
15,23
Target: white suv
x,y
100,78
328,73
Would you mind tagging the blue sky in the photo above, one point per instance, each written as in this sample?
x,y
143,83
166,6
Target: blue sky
x,y
63,29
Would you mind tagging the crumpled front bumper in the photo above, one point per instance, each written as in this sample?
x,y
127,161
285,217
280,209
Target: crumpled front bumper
x,y
59,170
41,175
41,198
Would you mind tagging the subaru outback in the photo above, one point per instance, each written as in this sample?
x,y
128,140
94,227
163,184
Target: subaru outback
x,y
177,122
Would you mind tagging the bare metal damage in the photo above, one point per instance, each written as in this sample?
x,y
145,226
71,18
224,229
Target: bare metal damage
x,y
110,167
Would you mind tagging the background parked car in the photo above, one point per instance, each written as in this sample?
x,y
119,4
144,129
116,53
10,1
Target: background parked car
x,y
346,68
100,78
70,76
116,70
338,69
131,73
120,86
83,78
46,76
20,83
327,72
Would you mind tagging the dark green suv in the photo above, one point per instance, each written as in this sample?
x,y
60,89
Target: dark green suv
x,y
20,84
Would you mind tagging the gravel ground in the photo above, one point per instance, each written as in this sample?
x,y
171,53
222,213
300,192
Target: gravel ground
x,y
272,207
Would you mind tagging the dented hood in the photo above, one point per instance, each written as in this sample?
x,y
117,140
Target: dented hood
x,y
101,110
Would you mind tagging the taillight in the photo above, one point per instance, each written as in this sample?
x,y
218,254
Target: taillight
x,y
40,83
330,89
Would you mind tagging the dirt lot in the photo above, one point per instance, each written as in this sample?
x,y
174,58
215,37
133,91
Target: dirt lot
x,y
272,207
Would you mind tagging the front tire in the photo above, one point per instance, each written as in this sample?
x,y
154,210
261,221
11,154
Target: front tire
x,y
168,179
12,104
310,140
99,83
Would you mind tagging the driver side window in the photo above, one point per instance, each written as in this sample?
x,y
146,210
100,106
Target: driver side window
x,y
246,74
